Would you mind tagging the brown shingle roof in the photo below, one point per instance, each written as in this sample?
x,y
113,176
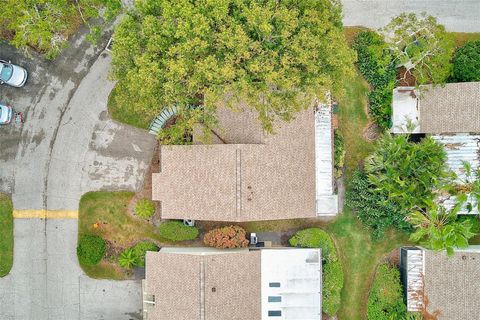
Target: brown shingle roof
x,y
242,182
230,289
454,108
451,285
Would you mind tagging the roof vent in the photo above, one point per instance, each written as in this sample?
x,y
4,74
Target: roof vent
x,y
214,289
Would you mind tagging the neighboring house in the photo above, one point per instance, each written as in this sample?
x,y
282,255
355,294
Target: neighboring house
x,y
212,284
247,175
450,114
441,286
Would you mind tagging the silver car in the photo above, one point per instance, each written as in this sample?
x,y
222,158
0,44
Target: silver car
x,y
6,114
12,75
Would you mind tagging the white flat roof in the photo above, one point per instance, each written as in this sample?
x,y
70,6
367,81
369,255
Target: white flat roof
x,y
404,110
291,284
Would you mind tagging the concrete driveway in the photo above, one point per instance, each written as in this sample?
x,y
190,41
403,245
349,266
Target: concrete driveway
x,y
67,146
456,15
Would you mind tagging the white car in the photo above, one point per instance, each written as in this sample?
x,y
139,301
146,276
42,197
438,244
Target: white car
x,y
12,75
6,113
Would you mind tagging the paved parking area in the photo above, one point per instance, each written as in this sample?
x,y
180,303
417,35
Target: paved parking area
x,y
456,15
67,146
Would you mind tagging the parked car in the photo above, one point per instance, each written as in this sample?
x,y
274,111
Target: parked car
x,y
6,114
12,75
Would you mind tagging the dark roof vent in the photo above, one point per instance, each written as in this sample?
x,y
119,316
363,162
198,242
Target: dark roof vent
x,y
214,289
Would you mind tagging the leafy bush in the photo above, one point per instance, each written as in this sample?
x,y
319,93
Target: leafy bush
x,y
145,208
332,268
140,250
226,237
466,62
339,153
385,301
128,259
177,231
380,105
375,61
474,222
406,171
376,64
91,249
135,256
373,207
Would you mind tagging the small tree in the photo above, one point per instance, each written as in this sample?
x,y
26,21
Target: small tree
x,y
422,46
466,63
226,237
439,229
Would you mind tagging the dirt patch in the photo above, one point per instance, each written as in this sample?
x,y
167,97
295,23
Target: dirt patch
x,y
405,78
372,132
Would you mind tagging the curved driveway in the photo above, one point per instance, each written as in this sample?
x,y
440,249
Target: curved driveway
x,y
67,146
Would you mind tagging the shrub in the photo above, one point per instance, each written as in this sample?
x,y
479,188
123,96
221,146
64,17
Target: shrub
x,y
373,208
339,153
145,208
91,249
376,64
380,105
385,301
135,256
332,268
140,250
226,237
177,231
128,259
466,62
375,61
406,171
475,224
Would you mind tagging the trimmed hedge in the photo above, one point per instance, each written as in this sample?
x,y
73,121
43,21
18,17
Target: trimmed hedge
x,y
227,237
385,301
91,249
177,231
145,208
466,62
376,64
333,277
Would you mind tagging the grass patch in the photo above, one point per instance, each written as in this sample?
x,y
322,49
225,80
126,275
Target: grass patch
x,y
360,257
6,232
461,37
106,214
352,122
121,112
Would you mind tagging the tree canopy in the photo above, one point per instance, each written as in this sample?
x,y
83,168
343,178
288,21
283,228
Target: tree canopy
x,y
45,25
466,63
274,55
422,46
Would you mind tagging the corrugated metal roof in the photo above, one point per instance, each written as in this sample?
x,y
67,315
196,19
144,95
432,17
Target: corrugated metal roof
x,y
460,149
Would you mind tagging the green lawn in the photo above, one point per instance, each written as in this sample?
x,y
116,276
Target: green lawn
x,y
6,232
121,113
105,214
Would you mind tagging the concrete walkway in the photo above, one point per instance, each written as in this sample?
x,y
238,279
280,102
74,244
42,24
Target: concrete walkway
x,y
67,146
456,15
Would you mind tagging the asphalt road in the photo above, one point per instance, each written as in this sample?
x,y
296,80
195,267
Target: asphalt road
x,y
456,15
67,146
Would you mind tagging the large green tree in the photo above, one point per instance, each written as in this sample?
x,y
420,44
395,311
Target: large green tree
x,y
45,25
274,55
422,46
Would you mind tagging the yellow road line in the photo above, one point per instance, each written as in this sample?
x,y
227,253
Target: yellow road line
x,y
45,214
